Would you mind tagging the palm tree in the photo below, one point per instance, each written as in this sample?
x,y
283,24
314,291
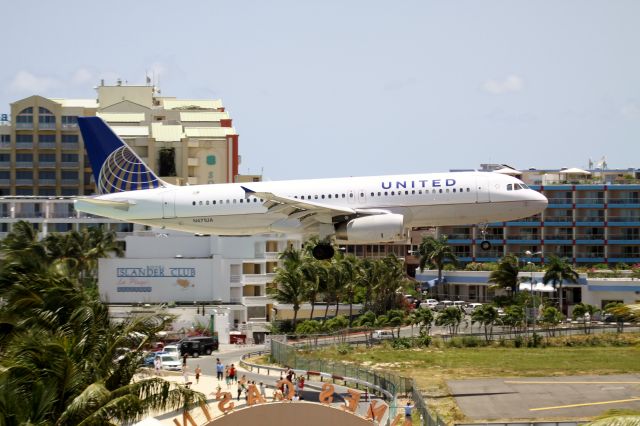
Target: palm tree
x,y
436,252
289,287
59,362
486,315
424,319
557,271
450,317
586,312
506,274
315,275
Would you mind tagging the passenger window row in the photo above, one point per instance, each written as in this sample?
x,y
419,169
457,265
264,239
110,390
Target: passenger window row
x,y
338,196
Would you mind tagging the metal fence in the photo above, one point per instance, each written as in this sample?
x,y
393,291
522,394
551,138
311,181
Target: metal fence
x,y
392,384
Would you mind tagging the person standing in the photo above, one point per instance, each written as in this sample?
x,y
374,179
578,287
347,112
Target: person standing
x,y
185,374
407,410
157,364
184,360
226,375
219,369
198,371
233,374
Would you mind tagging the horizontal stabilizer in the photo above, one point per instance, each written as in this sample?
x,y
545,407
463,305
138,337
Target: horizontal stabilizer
x,y
120,205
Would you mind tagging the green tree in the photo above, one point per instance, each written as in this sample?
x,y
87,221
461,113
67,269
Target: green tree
x,y
557,271
584,310
436,252
60,362
486,316
450,317
551,317
423,318
506,274
396,318
289,282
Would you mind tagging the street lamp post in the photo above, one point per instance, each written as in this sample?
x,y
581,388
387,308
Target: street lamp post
x,y
533,301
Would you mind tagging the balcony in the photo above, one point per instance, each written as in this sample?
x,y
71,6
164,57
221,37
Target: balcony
x,y
47,126
71,145
255,300
50,182
24,126
46,145
633,201
69,126
624,221
193,162
70,181
69,164
257,279
24,145
47,164
24,164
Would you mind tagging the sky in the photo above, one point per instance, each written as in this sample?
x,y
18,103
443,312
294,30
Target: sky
x,y
348,88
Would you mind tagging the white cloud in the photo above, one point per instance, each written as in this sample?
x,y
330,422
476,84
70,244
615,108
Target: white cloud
x,y
24,81
82,77
512,83
630,110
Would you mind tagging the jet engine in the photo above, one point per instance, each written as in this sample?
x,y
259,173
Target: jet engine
x,y
378,228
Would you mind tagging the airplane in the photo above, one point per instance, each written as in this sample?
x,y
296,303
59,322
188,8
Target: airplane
x,y
358,210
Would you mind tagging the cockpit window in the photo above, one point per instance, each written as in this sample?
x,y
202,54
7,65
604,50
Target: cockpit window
x,y
516,186
509,187
524,186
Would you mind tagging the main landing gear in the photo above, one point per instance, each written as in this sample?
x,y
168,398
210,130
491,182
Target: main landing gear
x,y
323,251
484,244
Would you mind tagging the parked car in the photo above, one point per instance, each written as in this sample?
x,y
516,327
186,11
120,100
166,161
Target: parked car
x,y
382,334
172,349
195,346
443,304
151,356
471,307
460,304
171,362
430,303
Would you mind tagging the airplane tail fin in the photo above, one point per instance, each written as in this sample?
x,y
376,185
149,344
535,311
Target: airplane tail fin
x,y
116,167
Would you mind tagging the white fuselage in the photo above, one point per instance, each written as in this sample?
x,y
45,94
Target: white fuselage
x,y
437,199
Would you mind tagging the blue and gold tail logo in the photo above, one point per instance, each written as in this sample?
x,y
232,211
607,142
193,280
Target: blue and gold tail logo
x,y
124,171
116,168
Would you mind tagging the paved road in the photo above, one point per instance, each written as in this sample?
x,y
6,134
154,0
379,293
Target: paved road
x,y
522,398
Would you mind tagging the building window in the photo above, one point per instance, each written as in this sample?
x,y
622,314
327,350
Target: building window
x,y
24,158
69,138
47,138
47,158
24,138
69,120
24,174
47,175
69,174
24,191
69,158
167,162
5,175
46,117
25,116
5,158
5,138
211,160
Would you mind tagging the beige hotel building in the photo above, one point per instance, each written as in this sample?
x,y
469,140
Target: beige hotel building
x,y
185,141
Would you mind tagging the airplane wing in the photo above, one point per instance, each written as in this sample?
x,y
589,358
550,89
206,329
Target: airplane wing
x,y
305,211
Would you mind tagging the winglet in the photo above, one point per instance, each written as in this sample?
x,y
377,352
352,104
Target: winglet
x,y
247,192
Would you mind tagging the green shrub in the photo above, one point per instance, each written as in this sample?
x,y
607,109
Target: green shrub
x,y
401,343
344,348
471,342
518,341
422,341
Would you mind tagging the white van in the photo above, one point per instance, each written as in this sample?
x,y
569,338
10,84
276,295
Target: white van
x,y
382,334
443,304
460,304
471,307
430,303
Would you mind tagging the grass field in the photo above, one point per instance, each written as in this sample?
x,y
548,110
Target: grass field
x,y
432,367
